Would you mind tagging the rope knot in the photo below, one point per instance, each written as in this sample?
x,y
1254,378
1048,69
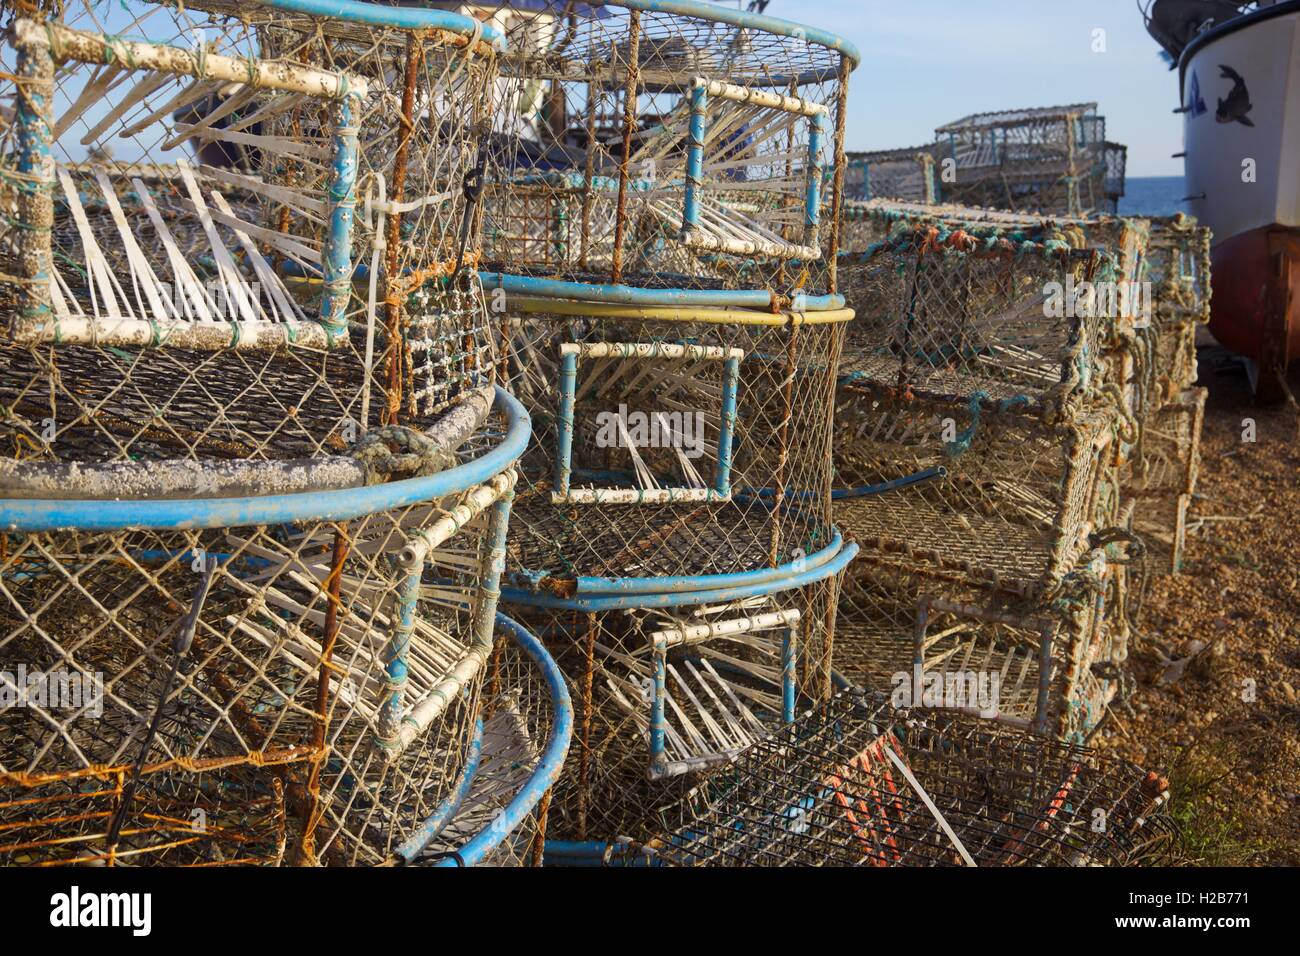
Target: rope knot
x,y
397,450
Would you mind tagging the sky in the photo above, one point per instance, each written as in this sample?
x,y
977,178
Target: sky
x,y
926,62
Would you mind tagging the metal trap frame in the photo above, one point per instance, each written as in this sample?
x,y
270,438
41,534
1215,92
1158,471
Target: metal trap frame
x,y
1052,159
690,139
856,783
1045,667
669,683
671,439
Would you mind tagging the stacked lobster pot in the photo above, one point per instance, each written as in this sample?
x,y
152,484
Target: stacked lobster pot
x,y
983,425
660,191
1162,476
257,471
857,782
1160,298
1051,160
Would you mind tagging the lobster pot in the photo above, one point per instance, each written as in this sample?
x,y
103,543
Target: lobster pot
x,y
1163,480
499,812
336,659
1046,666
691,142
1051,160
1104,280
230,817
1178,264
903,174
667,687
994,495
670,441
857,783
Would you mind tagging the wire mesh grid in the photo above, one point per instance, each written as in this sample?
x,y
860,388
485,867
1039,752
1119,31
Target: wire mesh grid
x,y
856,783
635,142
527,717
234,817
985,653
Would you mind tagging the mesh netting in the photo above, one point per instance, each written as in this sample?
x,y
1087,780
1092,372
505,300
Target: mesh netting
x,y
689,448
985,653
855,783
665,695
1048,160
636,143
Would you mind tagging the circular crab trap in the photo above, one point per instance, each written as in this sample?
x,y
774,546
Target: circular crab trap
x,y
197,518
690,445
857,783
424,133
498,812
640,138
670,684
335,639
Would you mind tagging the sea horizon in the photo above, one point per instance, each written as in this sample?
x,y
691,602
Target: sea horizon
x,y
1152,196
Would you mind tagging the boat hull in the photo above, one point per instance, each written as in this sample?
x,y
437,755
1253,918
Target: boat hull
x,y
1241,107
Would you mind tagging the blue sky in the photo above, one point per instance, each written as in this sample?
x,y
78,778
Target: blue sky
x,y
925,62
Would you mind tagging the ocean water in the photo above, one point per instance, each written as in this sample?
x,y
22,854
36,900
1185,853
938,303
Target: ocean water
x,y
1152,196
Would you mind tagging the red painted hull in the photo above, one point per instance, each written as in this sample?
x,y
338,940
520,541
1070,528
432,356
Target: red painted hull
x,y
1255,305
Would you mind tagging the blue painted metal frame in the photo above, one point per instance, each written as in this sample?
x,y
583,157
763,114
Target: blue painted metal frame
x,y
429,829
594,585
699,131
721,490
337,505
704,594
404,18
336,256
548,768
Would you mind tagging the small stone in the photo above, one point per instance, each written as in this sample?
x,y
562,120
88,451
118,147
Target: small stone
x,y
1288,692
